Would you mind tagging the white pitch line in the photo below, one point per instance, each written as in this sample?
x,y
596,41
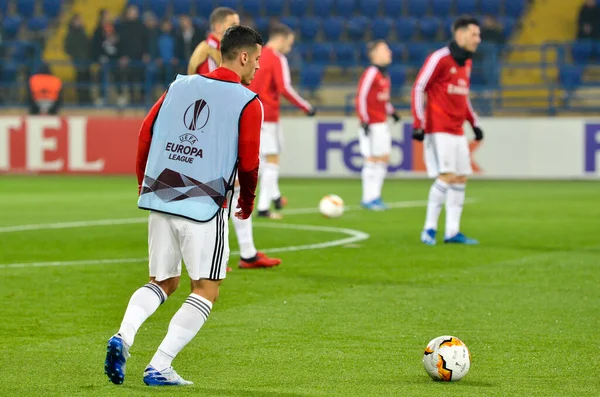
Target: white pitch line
x,y
354,236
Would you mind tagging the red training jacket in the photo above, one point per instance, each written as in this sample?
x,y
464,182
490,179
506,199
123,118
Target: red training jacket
x,y
373,96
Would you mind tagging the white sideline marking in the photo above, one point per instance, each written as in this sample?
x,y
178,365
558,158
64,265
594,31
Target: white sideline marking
x,y
354,236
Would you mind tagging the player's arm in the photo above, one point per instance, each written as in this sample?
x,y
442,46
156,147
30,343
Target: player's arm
x,y
473,120
391,111
248,155
426,76
144,140
364,87
201,54
283,83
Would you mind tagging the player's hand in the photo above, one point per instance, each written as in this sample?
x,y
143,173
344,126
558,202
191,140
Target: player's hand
x,y
478,133
418,134
365,127
243,213
396,117
311,112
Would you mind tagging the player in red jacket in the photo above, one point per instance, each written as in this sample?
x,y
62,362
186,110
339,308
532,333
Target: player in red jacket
x,y
445,79
271,82
373,108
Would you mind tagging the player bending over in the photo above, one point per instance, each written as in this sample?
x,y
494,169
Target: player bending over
x,y
373,108
273,80
445,78
187,196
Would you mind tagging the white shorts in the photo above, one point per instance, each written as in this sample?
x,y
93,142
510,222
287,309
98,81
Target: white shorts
x,y
447,154
204,247
271,139
377,143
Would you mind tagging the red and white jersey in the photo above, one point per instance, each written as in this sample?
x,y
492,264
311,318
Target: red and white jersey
x,y
209,65
273,80
373,96
447,85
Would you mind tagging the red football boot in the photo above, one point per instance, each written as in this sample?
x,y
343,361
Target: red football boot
x,y
259,261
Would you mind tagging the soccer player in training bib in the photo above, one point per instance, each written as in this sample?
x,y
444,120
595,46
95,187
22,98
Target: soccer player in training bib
x,y
445,78
273,80
201,131
373,108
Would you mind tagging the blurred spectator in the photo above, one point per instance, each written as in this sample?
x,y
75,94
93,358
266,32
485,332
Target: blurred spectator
x,y
187,39
133,49
166,49
104,49
77,45
45,92
589,21
152,33
491,31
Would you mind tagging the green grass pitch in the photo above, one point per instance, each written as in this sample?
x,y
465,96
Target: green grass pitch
x,y
348,320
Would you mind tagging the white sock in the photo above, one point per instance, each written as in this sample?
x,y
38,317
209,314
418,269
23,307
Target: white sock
x,y
369,181
276,192
243,231
184,325
268,183
380,173
143,304
437,196
454,207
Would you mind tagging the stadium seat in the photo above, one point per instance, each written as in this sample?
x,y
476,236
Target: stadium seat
x,y
392,8
406,28
357,27
369,8
569,76
417,53
429,27
398,51
345,8
478,77
203,8
51,8
311,76
363,55
234,4
508,26
182,7
309,28
441,8
11,26
514,8
323,8
37,23
3,6
333,28
417,8
397,77
298,8
292,22
159,8
274,7
251,7
582,51
321,53
26,8
345,54
302,50
380,28
466,7
490,7
141,4
262,24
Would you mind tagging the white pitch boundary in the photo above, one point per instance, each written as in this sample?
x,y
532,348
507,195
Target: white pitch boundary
x,y
354,236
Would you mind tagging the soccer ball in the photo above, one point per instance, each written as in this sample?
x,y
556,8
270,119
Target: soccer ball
x,y
331,206
447,359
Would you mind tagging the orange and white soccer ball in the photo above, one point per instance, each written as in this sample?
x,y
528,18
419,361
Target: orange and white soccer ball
x,y
331,206
447,358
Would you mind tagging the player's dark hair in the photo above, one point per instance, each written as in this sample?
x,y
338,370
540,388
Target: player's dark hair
x,y
464,21
372,45
237,38
280,29
219,15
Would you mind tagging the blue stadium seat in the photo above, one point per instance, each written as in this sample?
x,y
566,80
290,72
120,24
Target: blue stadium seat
x,y
466,6
397,77
323,8
252,7
203,8
321,53
429,27
298,8
569,76
582,51
508,26
310,27
381,27
417,8
363,55
441,8
274,7
262,24
398,51
392,8
478,77
10,71
182,7
490,7
26,8
333,28
406,28
141,4
51,8
302,50
345,54
11,26
345,8
38,23
311,76
369,8
159,8
3,6
233,4
292,22
417,53
514,8
357,27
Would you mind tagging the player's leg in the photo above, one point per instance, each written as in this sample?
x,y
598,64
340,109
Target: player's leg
x,y
165,269
269,172
278,200
382,146
456,194
369,174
